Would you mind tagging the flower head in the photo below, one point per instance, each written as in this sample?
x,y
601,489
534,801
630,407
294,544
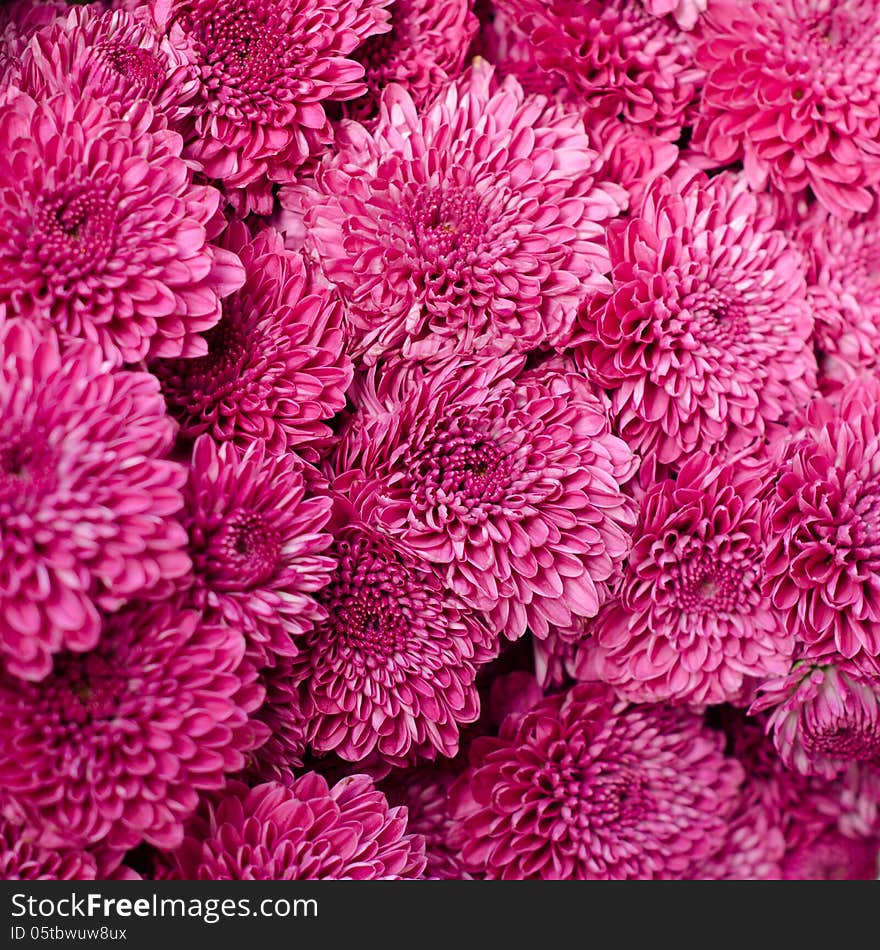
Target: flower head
x,y
22,860
87,498
116,744
425,47
585,788
823,718
793,89
102,231
833,856
391,670
689,621
704,340
265,71
475,225
112,55
258,543
305,832
510,485
844,290
274,367
823,553
612,57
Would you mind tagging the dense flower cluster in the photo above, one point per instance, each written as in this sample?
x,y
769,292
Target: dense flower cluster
x,y
439,439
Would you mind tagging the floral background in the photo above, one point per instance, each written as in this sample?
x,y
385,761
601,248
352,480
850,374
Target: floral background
x,y
439,439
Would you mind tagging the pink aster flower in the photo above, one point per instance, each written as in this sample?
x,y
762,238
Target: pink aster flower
x,y
115,746
22,860
584,787
274,367
844,290
425,47
823,718
823,553
511,486
87,499
113,55
793,89
612,57
391,670
306,832
266,69
424,792
704,340
476,225
689,622
102,231
258,543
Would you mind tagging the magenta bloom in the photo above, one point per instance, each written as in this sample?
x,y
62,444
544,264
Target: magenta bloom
x,y
611,57
87,499
584,787
752,847
306,832
115,746
113,55
102,231
844,291
425,794
392,668
21,860
823,555
689,621
19,20
258,543
832,856
704,340
792,90
475,226
274,367
266,69
425,47
279,758
823,718
512,487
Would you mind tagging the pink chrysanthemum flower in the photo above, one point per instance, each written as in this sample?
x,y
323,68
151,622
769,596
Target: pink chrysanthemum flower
x,y
21,860
392,669
19,20
793,89
114,56
476,225
266,69
280,757
102,231
87,499
610,56
424,792
704,340
306,832
115,746
823,559
689,621
823,718
425,47
833,856
274,367
583,787
258,543
512,487
844,291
